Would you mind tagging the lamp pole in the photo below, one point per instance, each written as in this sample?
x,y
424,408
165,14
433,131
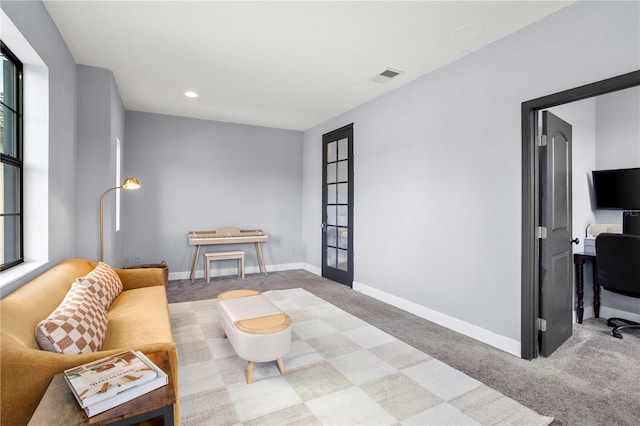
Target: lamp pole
x,y
129,183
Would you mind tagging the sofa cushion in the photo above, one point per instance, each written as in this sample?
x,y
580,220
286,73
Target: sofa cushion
x,y
78,325
104,282
138,317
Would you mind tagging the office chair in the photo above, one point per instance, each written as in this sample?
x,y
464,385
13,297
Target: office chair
x,y
618,260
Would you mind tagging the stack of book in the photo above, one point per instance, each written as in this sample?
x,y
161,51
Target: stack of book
x,y
101,385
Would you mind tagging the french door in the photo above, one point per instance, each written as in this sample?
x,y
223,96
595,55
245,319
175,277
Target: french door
x,y
337,205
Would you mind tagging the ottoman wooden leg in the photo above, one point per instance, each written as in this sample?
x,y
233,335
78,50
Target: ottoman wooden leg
x,y
281,366
249,372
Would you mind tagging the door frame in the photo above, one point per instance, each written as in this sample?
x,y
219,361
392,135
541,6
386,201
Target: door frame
x,y
530,302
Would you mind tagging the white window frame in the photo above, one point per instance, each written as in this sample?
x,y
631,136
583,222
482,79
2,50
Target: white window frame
x,y
35,158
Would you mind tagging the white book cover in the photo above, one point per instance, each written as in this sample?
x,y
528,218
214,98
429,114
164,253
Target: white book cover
x,y
102,379
128,395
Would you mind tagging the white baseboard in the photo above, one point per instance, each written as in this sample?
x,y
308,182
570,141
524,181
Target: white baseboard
x,y
313,269
217,272
490,338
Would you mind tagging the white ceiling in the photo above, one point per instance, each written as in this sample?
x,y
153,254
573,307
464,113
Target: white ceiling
x,y
290,64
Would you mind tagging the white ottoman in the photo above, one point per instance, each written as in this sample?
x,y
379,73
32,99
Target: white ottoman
x,y
256,328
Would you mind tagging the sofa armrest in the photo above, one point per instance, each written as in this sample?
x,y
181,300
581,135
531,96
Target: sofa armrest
x,y
140,277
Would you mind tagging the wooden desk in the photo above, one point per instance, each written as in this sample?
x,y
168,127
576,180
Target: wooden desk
x,y
227,235
579,260
59,407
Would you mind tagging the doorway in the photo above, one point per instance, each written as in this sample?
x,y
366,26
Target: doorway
x,y
337,205
531,218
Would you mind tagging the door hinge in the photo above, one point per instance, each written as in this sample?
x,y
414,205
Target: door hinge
x,y
542,140
542,232
542,324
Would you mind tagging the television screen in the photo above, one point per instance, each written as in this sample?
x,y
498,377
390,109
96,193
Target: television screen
x,y
617,189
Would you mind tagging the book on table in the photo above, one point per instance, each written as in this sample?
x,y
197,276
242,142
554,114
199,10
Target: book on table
x,y
114,380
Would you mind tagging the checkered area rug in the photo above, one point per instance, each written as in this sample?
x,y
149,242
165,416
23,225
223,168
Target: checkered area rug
x,y
340,371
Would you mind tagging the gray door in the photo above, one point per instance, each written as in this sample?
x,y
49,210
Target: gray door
x,y
556,278
337,205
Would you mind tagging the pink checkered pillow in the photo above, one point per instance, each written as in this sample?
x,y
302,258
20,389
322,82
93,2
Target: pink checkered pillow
x,y
104,282
78,325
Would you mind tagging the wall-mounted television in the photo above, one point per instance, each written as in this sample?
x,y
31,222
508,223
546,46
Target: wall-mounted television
x,y
617,189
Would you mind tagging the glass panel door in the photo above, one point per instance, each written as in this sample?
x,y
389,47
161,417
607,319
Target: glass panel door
x,y
337,213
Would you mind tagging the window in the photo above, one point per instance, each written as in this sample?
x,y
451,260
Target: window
x,y
11,220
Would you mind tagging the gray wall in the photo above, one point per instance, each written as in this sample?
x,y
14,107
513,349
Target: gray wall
x,y
100,122
33,21
438,168
198,175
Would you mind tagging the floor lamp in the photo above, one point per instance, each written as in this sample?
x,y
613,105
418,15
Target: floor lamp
x,y
128,183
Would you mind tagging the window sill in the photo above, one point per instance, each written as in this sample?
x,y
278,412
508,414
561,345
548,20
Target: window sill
x,y
11,277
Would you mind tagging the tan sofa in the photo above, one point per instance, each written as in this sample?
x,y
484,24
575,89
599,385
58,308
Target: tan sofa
x,y
138,319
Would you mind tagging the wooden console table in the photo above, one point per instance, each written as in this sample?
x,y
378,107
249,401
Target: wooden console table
x,y
579,260
59,407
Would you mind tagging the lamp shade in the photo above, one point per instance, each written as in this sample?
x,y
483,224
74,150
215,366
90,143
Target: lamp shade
x,y
130,183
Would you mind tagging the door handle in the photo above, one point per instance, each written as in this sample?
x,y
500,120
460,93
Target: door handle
x,y
324,227
575,240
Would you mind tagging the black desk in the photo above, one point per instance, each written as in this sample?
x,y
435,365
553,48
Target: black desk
x,y
579,259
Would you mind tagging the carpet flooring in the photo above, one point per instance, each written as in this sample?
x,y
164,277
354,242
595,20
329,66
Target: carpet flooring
x,y
593,379
340,371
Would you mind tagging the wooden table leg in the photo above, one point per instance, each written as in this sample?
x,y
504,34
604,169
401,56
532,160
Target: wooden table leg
x,y
195,263
249,372
261,265
579,289
596,290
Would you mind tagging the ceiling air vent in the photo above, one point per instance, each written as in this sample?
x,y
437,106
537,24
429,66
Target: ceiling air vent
x,y
385,75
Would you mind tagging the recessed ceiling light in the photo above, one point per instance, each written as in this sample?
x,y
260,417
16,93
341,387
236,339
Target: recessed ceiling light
x,y
191,94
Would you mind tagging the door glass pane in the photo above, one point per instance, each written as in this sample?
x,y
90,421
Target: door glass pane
x,y
332,257
342,216
343,234
343,167
331,215
331,193
343,193
342,259
343,151
332,236
331,151
331,173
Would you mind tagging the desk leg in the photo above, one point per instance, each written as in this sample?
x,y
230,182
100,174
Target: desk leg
x,y
596,290
261,265
195,263
579,288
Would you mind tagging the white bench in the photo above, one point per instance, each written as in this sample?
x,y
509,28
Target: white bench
x,y
256,328
224,255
